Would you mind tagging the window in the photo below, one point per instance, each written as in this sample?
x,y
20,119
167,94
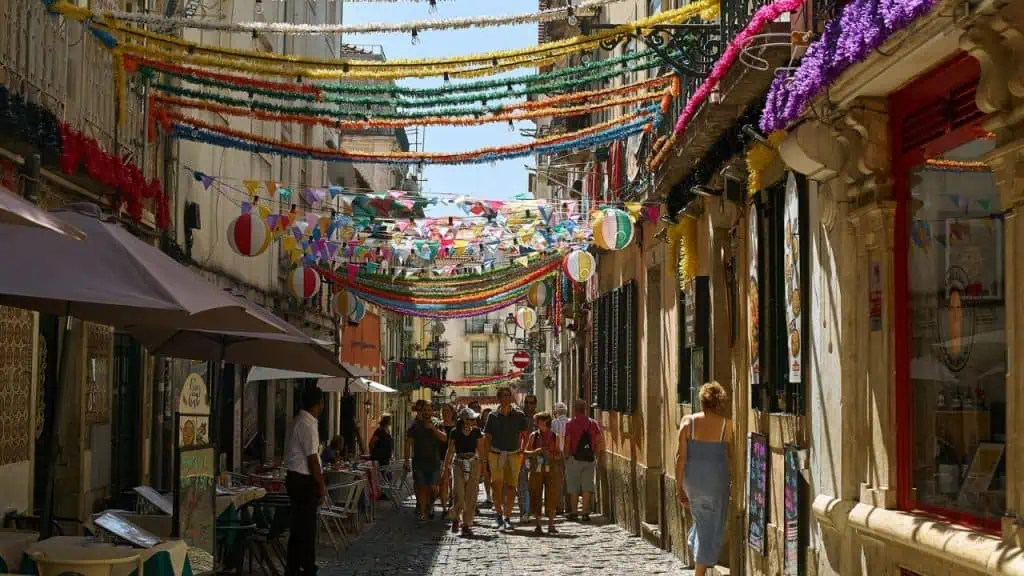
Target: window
x,y
614,374
951,336
776,289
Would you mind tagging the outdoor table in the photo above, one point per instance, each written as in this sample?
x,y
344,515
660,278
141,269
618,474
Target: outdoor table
x,y
13,544
65,553
229,501
82,555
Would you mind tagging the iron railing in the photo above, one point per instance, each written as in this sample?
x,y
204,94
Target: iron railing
x,y
482,368
57,64
483,326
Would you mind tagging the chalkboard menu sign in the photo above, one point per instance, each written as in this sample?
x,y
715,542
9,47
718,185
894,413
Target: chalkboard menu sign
x,y
196,495
757,498
791,513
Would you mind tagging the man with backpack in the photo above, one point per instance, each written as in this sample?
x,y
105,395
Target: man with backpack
x,y
584,444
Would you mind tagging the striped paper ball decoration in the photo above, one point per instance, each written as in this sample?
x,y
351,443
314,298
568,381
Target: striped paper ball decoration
x,y
579,266
539,294
613,229
344,303
248,235
304,282
526,318
358,312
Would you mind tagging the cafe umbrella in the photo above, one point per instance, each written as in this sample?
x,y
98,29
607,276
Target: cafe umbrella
x,y
110,277
17,211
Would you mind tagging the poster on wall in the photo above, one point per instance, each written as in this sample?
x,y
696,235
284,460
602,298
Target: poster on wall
x,y
791,512
196,503
193,413
791,255
753,293
757,498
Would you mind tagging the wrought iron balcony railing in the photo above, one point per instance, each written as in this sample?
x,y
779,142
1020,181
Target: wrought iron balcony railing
x,y
482,326
482,368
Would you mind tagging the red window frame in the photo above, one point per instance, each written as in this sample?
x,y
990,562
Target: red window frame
x,y
934,86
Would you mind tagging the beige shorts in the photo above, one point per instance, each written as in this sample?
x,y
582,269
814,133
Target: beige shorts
x,y
505,467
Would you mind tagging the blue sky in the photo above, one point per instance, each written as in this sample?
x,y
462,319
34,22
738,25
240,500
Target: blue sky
x,y
497,181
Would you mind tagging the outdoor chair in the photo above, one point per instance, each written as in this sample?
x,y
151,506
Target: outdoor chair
x,y
392,482
272,515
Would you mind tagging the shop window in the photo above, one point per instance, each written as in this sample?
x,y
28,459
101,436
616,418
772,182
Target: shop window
x,y
776,291
952,353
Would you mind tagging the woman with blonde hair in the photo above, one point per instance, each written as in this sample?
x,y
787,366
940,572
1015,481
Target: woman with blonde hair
x,y
703,474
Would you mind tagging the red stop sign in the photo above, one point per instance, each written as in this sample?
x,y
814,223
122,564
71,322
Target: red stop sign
x,y
521,359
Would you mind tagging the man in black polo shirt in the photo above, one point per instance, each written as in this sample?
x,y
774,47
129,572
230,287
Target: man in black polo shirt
x,y
506,431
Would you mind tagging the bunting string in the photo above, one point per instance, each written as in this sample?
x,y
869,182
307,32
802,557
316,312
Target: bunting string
x,y
484,382
585,8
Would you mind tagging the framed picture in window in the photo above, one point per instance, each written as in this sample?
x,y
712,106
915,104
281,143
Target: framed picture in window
x,y
975,246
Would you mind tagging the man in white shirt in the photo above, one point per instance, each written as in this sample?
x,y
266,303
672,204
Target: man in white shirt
x,y
561,414
305,483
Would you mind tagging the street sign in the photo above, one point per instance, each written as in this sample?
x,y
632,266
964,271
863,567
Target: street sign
x,y
521,359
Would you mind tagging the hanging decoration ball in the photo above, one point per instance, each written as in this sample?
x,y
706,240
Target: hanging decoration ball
x,y
248,235
344,303
526,318
613,229
358,313
539,294
304,282
579,266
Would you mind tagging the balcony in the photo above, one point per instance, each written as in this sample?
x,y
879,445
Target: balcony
x,y
482,368
482,326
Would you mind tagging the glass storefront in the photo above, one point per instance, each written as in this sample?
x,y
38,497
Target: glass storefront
x,y
958,348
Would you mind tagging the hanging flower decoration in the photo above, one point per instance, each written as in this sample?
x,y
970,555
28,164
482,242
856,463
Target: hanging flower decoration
x,y
687,251
613,229
759,157
248,235
580,266
862,27
539,294
304,282
526,318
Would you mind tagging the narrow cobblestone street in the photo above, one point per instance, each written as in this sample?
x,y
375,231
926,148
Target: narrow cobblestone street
x,y
397,544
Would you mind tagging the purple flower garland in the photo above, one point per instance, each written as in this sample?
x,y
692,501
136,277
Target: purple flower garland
x,y
863,26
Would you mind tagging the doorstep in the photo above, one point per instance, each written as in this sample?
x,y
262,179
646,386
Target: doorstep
x,y
652,534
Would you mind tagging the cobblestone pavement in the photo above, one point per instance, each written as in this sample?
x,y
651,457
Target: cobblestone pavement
x,y
396,544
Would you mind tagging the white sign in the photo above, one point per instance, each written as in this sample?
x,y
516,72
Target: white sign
x,y
794,298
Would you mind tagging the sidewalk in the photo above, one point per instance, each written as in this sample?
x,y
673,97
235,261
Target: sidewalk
x,y
397,544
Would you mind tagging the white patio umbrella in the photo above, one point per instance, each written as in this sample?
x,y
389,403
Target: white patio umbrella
x,y
325,382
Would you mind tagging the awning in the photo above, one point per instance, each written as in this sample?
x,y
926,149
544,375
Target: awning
x,y
325,383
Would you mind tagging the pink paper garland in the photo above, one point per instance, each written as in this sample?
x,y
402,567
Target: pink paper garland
x,y
764,16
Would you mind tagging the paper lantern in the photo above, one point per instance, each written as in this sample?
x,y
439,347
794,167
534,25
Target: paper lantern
x,y
526,318
358,313
344,303
304,282
248,235
539,294
579,265
613,229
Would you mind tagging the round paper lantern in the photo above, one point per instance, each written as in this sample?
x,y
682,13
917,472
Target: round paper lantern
x,y
613,229
579,266
344,303
357,314
248,235
304,282
526,318
539,294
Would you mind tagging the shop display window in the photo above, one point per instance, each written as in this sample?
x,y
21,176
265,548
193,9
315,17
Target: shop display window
x,y
957,333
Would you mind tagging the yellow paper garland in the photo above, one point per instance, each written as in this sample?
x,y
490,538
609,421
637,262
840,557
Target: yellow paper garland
x,y
759,157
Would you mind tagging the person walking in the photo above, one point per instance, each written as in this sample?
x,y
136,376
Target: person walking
x,y
530,410
506,431
304,483
703,474
425,443
542,453
446,426
561,418
584,445
465,453
485,473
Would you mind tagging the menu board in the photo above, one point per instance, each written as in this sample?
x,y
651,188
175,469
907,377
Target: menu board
x,y
794,298
196,495
757,486
791,513
753,298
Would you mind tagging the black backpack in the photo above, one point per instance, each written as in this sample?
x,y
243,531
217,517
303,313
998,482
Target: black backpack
x,y
584,449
